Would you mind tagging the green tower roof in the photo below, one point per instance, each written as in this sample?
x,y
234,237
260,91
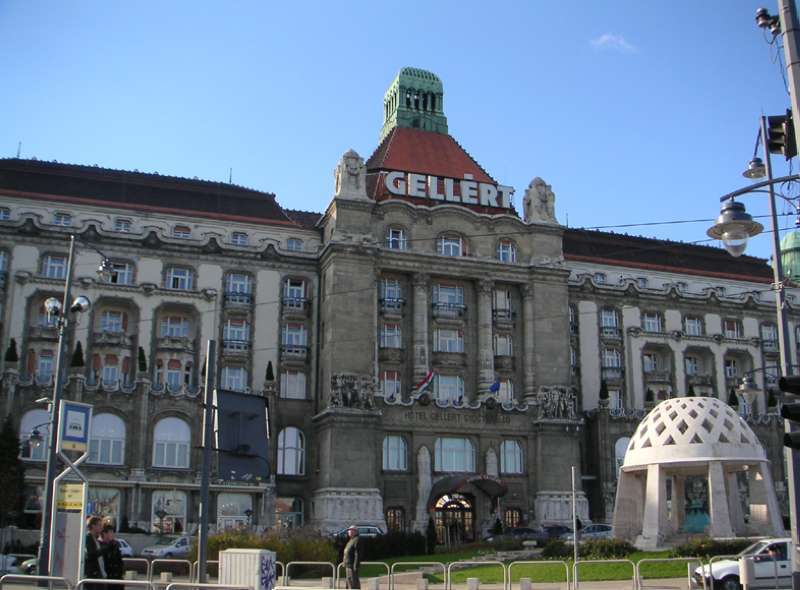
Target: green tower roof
x,y
790,255
415,99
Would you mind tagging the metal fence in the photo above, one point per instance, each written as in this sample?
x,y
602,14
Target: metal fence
x,y
688,560
541,562
580,562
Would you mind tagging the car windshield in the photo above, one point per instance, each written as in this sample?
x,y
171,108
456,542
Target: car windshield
x,y
756,547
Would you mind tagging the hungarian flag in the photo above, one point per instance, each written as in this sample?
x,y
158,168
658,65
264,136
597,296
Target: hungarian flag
x,y
423,385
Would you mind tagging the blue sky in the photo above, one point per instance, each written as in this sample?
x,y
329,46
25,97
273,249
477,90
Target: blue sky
x,y
634,111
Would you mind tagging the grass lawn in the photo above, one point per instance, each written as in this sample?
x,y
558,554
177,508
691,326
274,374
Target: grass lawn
x,y
492,573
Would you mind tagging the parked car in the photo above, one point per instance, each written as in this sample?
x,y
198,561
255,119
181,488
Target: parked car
x,y
771,559
29,567
537,534
9,564
592,531
125,548
166,547
554,531
364,530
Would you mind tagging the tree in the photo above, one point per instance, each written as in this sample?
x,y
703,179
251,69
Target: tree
x,y
649,396
603,389
77,356
11,352
270,375
12,474
142,360
733,399
691,392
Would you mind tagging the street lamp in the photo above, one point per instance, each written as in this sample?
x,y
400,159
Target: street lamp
x,y
55,309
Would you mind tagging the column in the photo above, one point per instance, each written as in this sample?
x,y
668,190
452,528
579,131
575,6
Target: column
x,y
718,502
678,502
485,349
734,504
529,341
773,511
719,363
421,362
655,508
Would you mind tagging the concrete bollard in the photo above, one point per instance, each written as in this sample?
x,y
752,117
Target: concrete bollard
x,y
525,584
327,582
473,584
372,584
422,584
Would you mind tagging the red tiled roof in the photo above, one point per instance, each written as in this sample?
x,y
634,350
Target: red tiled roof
x,y
425,152
308,219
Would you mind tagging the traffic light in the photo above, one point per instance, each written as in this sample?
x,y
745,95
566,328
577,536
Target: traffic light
x,y
780,135
790,384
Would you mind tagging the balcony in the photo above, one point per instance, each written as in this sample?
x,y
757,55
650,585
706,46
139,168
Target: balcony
x,y
235,347
449,359
392,307
238,299
657,376
176,343
504,363
610,333
43,332
769,345
611,373
295,307
391,355
698,379
112,339
503,317
294,353
449,310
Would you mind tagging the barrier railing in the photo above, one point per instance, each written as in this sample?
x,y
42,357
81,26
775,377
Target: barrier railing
x,y
184,563
196,569
175,585
137,564
104,582
537,562
577,564
286,577
279,576
449,577
27,579
688,560
340,567
417,563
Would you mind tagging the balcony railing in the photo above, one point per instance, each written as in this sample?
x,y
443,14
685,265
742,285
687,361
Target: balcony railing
x,y
700,379
238,298
503,315
294,351
612,373
769,345
610,333
183,343
449,310
43,332
657,375
112,339
235,346
392,305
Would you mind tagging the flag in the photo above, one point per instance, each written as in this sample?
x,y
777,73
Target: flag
x,y
423,385
495,387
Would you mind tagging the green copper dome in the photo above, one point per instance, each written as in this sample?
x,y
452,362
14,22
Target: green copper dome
x,y
415,99
790,255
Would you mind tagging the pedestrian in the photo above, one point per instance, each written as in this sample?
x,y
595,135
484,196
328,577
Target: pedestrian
x,y
351,558
113,555
93,566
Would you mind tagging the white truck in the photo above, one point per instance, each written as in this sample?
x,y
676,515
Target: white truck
x,y
771,564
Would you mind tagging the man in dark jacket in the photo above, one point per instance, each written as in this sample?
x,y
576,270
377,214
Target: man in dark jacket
x,y
93,553
113,555
351,559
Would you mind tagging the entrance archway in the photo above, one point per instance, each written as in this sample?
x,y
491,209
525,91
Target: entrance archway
x,y
454,517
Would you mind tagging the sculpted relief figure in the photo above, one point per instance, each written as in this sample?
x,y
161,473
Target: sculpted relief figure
x,y
539,204
350,177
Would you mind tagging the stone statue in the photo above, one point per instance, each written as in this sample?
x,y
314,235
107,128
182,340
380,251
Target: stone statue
x,y
539,204
349,390
350,177
557,402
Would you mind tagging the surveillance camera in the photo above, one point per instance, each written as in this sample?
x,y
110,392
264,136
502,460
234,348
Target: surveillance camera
x,y
80,303
52,306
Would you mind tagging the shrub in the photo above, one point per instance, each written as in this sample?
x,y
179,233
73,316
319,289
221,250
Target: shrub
x,y
392,544
11,352
708,547
557,549
77,356
509,544
142,360
430,536
605,549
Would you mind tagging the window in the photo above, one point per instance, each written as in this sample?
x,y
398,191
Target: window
x,y
732,328
512,518
293,385
503,345
448,340
294,293
394,453
63,219
448,297
396,239
294,335
122,225
612,357
573,360
112,321
501,303
294,244
391,336
174,374
693,326
174,327
291,451
769,333
38,420
390,384
395,519
614,399
510,457
168,514
391,294
239,238
651,322
573,320
731,370
609,318
236,330
600,278
691,365
54,266
110,374
5,213
234,378
454,454
641,282
506,391
45,366
771,375
238,283
450,246
449,388
234,511
181,231
506,251
179,278
122,273
172,439
649,362
107,440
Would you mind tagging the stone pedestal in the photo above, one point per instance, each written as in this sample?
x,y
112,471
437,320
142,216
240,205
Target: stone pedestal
x,y
337,508
555,507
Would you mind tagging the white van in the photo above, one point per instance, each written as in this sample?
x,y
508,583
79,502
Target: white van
x,y
771,563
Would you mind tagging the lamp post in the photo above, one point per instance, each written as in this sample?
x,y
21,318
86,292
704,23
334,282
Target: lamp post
x,y
55,308
734,227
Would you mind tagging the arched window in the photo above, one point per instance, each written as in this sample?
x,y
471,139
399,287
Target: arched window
x,y
291,452
512,518
510,457
107,440
179,278
454,454
396,519
172,439
396,238
450,245
294,244
39,421
506,251
394,453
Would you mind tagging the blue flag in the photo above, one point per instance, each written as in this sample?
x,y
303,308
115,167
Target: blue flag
x,y
495,387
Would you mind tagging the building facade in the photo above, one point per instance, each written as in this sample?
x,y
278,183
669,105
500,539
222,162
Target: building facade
x,y
427,350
